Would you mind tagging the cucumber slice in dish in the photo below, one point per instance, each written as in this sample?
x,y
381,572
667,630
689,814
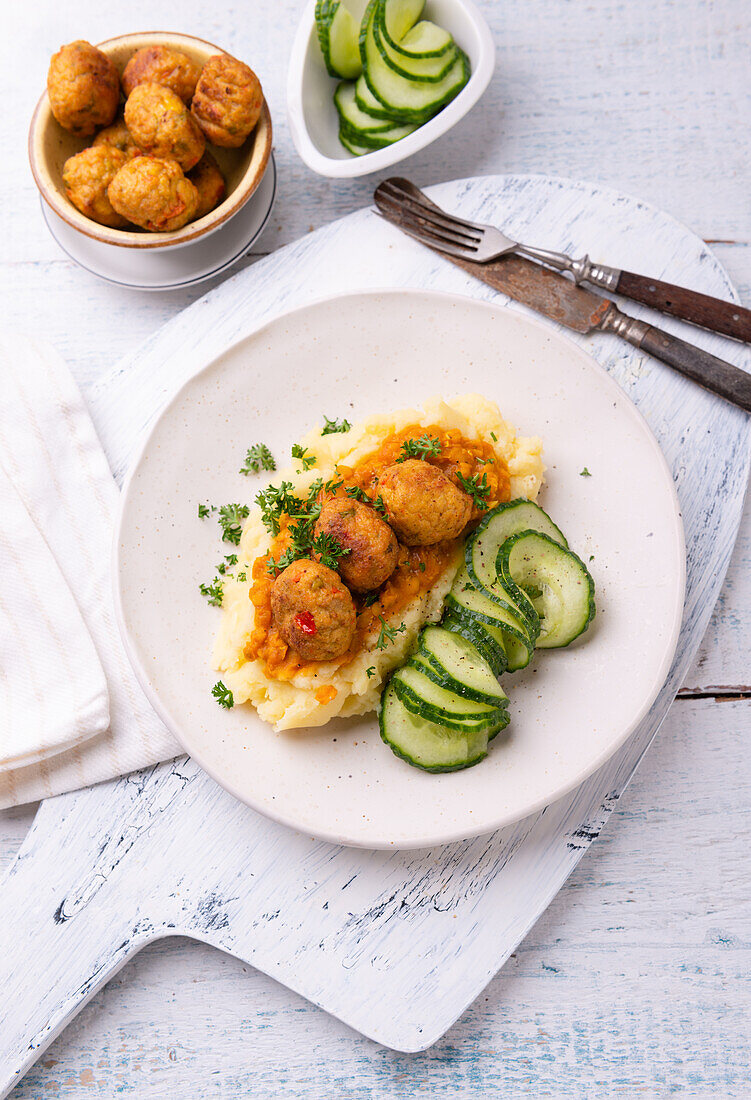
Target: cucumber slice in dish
x,y
423,41
353,147
399,16
481,552
408,99
562,584
459,667
428,745
426,69
423,696
465,601
487,640
368,103
359,128
338,35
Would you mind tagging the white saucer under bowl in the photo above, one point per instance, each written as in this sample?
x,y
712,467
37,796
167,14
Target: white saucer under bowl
x,y
170,269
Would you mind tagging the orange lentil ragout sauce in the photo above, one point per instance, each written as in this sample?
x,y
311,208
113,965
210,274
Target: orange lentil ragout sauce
x,y
418,567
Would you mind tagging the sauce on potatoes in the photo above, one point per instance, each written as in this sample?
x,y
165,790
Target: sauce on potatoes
x,y
418,567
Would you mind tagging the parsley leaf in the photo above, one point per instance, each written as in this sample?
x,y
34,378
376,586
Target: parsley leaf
x,y
213,592
357,493
370,599
302,453
419,448
329,549
258,458
231,559
494,437
387,635
478,489
379,505
203,511
223,695
231,518
274,501
584,473
370,672
333,427
242,576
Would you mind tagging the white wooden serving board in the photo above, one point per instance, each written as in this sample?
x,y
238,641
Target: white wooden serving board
x,y
395,944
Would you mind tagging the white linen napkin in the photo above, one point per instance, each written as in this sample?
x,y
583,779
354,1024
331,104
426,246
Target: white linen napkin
x,y
53,694
52,457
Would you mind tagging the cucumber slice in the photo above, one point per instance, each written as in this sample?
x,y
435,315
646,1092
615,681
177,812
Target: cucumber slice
x,y
352,146
425,40
487,640
338,35
426,69
465,601
428,745
371,106
460,667
481,552
437,704
359,128
400,16
561,581
408,100
465,597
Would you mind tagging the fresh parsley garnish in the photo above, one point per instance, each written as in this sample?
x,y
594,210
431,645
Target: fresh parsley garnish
x,y
302,453
223,695
231,518
333,427
213,592
370,672
231,559
584,473
478,489
370,599
329,549
258,458
387,635
424,447
274,501
333,484
422,566
379,505
242,576
357,493
203,511
494,437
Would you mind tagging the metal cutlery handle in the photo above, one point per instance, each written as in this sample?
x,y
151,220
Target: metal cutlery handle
x,y
700,309
707,370
727,318
583,270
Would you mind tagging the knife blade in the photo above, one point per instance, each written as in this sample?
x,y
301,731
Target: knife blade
x,y
556,297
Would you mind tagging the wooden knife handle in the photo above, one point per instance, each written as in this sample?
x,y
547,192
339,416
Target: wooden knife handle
x,y
714,374
700,309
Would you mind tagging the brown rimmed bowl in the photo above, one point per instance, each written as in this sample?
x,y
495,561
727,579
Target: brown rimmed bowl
x,y
50,146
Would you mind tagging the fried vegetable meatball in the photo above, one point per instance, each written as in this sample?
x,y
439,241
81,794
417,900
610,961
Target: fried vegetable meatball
x,y
313,610
423,505
83,88
154,194
162,126
208,182
117,136
161,65
228,100
371,543
87,176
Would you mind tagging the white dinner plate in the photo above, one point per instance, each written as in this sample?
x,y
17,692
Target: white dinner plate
x,y
373,352
171,268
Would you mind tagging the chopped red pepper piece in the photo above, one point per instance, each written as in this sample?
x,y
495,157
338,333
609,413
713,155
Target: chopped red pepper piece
x,y
305,622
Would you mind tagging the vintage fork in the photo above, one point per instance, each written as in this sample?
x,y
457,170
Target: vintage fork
x,y
403,203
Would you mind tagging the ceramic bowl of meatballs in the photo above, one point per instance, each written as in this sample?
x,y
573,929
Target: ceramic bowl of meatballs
x,y
149,140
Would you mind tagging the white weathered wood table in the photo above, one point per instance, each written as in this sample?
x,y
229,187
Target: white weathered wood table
x,y
636,977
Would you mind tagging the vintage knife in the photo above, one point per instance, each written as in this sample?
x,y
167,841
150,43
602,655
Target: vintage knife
x,y
557,297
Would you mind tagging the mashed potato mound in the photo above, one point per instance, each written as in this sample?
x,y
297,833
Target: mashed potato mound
x,y
348,689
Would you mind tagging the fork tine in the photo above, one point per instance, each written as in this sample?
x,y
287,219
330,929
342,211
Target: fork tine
x,y
430,239
401,214
402,191
436,218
